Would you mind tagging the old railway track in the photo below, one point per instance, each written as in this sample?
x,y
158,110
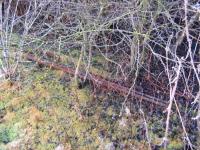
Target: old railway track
x,y
99,81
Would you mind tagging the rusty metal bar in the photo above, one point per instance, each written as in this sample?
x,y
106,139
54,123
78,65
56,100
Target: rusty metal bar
x,y
101,82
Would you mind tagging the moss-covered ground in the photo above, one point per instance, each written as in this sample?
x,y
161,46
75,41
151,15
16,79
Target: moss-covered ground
x,y
46,108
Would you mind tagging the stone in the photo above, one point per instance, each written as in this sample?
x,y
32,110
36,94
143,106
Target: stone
x,y
60,147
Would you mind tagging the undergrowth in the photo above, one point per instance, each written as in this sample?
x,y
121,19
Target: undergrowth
x,y
46,111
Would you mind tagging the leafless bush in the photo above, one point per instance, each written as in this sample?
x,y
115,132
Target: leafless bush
x,y
157,38
16,15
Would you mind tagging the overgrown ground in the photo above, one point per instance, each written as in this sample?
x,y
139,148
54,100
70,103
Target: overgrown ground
x,y
46,109
149,45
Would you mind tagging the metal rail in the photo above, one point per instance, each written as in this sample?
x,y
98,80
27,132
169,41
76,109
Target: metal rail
x,y
101,82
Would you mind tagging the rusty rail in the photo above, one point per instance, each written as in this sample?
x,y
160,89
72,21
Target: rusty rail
x,y
101,82
151,81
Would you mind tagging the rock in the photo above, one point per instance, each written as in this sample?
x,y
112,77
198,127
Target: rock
x,y
127,111
14,145
123,123
60,147
110,146
2,74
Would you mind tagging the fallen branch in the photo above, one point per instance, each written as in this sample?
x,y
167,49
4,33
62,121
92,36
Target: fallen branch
x,y
101,82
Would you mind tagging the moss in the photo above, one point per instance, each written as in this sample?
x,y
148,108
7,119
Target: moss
x,y
35,116
46,146
9,116
2,105
8,133
51,113
79,95
175,145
